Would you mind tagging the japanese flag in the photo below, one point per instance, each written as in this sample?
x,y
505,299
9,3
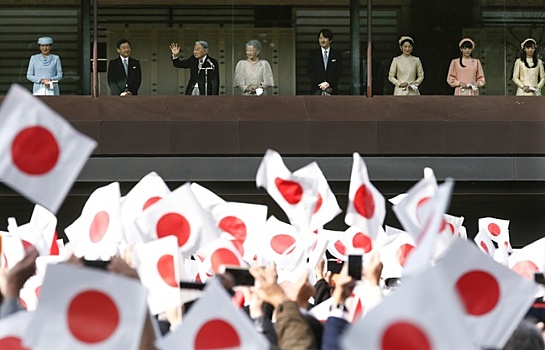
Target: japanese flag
x,y
405,320
213,322
366,206
13,250
30,293
296,195
245,224
220,252
43,153
98,230
336,245
484,243
433,214
179,214
149,190
12,330
497,230
85,308
529,259
326,208
157,265
494,298
395,253
40,231
410,207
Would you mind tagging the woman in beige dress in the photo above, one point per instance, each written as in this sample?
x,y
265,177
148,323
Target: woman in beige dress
x,y
528,74
466,74
406,72
253,76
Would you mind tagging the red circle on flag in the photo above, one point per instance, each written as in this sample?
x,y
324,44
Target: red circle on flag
x,y
494,229
92,316
403,252
281,242
12,343
99,226
174,224
35,150
290,190
223,256
364,202
362,241
234,226
239,246
526,269
479,291
404,335
150,201
37,291
318,203
165,267
216,334
340,247
419,206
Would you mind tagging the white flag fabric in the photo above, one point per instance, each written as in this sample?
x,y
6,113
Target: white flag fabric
x,y
13,250
296,195
484,243
409,209
148,191
157,265
433,218
12,331
244,222
494,298
335,246
30,293
85,308
206,198
497,230
366,205
43,153
405,320
394,254
181,215
327,207
98,230
213,322
529,259
220,252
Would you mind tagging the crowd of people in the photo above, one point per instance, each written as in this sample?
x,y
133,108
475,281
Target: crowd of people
x,y
254,76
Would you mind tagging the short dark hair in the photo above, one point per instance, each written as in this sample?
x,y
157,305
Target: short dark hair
x,y
122,41
327,33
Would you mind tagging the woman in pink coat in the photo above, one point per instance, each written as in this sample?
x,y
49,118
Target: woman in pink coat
x,y
466,73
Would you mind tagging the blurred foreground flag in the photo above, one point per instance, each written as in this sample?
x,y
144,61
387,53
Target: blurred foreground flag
x,y
86,308
43,153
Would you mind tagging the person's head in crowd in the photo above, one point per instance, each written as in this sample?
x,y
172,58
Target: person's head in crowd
x,y
45,43
526,336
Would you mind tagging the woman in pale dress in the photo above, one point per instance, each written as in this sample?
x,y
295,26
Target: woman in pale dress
x,y
466,74
253,76
406,72
528,74
44,69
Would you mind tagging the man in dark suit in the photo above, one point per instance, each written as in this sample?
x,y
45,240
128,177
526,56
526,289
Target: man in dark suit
x,y
204,78
324,66
124,73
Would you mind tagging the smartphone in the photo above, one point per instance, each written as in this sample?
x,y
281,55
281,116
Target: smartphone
x,y
539,278
99,264
334,265
241,275
192,285
355,264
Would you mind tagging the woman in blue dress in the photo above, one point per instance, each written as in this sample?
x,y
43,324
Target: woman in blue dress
x,y
45,70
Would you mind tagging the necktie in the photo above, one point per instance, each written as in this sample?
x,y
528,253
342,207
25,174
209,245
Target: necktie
x,y
126,66
325,59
